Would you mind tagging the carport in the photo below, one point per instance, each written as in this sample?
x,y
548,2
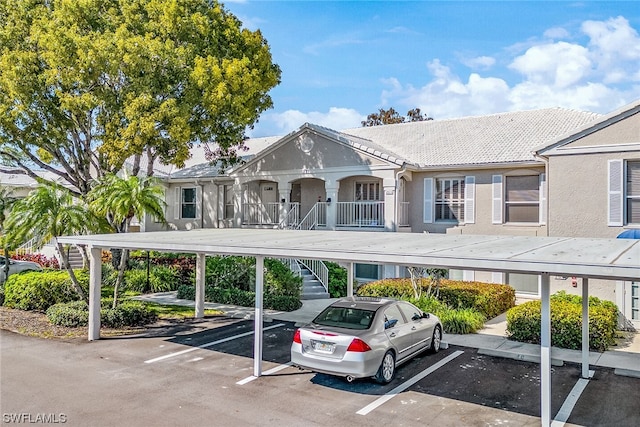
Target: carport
x,y
611,259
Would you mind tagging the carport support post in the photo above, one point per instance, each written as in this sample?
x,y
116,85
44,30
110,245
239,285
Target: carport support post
x,y
200,269
545,352
350,279
257,330
585,328
95,280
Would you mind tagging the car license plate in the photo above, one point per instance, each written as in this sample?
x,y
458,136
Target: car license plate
x,y
322,346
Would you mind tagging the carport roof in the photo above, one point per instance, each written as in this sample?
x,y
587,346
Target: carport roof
x,y
617,259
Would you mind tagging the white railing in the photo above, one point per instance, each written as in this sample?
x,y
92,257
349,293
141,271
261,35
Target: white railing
x,y
310,220
292,218
403,214
292,264
319,269
360,214
28,247
260,213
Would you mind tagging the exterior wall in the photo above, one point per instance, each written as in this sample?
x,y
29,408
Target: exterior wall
x,y
622,132
483,204
578,195
323,154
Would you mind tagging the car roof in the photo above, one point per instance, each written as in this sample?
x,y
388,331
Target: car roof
x,y
364,303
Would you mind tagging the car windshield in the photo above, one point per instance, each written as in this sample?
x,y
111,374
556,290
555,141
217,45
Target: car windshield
x,y
345,317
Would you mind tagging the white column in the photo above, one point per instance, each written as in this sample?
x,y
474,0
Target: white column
x,y
201,262
284,194
350,279
239,201
257,344
331,189
545,352
585,328
95,281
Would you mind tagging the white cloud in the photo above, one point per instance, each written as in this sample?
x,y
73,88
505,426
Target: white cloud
x,y
559,64
282,123
479,62
598,75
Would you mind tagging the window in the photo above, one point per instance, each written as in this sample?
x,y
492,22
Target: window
x,y
367,271
229,208
633,192
367,191
450,199
188,203
522,198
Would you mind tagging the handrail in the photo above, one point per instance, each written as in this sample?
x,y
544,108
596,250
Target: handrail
x,y
319,270
290,220
310,221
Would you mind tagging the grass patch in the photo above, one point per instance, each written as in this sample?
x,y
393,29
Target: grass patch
x,y
178,311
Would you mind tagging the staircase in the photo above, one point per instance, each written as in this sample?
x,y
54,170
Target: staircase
x,y
75,259
311,286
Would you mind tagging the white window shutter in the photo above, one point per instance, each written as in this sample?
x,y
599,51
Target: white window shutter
x,y
615,207
198,202
496,188
428,201
177,203
543,199
469,199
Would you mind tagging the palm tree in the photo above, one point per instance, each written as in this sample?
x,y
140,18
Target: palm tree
x,y
50,211
119,200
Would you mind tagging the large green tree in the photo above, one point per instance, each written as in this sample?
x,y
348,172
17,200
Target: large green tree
x,y
87,84
6,202
120,199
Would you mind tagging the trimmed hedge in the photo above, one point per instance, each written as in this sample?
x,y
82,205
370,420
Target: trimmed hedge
x,y
39,290
234,296
523,322
463,321
489,299
337,280
76,314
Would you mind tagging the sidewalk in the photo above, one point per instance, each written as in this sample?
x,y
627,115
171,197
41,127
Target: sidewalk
x,y
624,358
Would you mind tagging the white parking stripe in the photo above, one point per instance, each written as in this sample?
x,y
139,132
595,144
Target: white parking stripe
x,y
405,385
177,353
570,401
269,372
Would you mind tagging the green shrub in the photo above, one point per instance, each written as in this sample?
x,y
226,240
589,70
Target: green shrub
x,y
337,280
241,298
159,279
187,292
454,321
39,290
523,322
230,272
489,299
280,280
69,314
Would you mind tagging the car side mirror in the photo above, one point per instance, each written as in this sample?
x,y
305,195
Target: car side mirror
x,y
425,315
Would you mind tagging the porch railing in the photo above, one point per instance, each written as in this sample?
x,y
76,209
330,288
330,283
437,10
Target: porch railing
x,y
319,269
403,214
360,214
292,218
260,213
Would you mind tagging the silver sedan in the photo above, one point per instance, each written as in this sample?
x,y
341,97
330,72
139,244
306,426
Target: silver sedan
x,y
361,337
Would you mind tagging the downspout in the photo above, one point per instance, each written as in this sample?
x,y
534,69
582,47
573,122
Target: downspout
x,y
545,160
396,208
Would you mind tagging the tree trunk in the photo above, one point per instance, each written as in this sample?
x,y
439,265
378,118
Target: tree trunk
x,y
85,257
124,258
72,276
5,267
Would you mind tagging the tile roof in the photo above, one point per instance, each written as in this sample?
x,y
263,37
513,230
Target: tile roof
x,y
497,138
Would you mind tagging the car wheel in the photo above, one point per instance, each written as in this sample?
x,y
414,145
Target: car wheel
x,y
387,369
436,340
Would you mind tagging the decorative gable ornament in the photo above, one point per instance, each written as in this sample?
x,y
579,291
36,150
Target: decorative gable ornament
x,y
305,143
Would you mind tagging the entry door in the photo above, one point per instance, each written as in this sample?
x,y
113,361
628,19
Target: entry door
x,y
269,199
634,295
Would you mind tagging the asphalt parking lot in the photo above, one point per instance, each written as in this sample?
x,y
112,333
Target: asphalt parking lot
x,y
201,374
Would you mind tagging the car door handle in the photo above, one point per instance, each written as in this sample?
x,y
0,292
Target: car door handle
x,y
413,328
392,334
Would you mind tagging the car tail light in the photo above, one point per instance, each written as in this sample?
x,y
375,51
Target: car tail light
x,y
296,337
359,346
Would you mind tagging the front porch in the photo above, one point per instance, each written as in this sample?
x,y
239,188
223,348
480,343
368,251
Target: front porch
x,y
322,215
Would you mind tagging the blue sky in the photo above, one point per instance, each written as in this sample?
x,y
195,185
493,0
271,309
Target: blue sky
x,y
342,60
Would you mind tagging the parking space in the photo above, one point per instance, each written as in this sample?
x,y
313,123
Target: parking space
x,y
206,368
